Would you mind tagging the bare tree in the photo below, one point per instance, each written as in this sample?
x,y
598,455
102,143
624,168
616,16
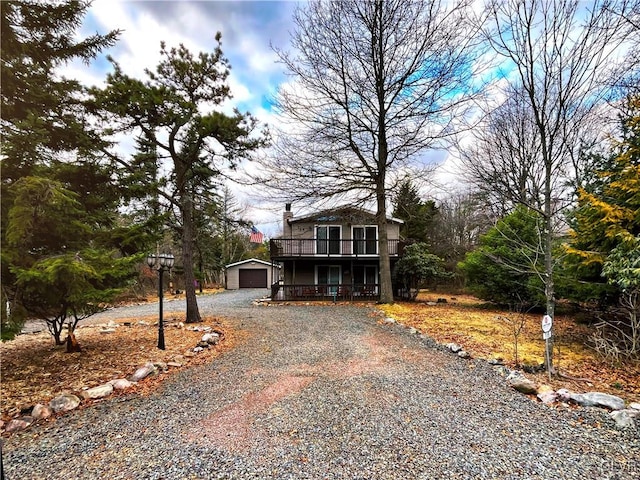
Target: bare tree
x,y
562,56
375,84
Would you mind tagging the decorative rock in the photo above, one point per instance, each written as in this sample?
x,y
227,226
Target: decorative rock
x,y
18,424
174,364
547,397
41,411
121,384
597,399
143,372
161,366
98,392
412,331
189,354
464,354
624,418
544,388
564,395
634,406
211,338
203,345
495,361
198,349
143,323
64,402
522,384
454,347
108,330
180,325
389,320
178,359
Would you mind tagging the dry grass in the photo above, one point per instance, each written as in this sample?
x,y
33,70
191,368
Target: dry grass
x,y
34,370
466,320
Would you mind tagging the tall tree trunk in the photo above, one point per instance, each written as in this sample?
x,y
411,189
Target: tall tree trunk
x,y
193,314
549,287
186,210
386,289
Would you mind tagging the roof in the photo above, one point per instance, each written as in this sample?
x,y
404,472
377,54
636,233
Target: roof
x,y
252,260
350,214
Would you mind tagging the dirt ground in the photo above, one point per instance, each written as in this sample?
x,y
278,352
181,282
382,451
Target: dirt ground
x,y
34,370
487,332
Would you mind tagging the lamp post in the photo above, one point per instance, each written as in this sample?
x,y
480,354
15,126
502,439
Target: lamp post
x,y
162,262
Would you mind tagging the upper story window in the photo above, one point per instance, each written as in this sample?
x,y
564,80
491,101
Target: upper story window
x,y
328,239
365,240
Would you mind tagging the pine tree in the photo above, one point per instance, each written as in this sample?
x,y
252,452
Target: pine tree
x,y
48,151
417,214
608,213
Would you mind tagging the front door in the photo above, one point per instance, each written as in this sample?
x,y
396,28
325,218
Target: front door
x,y
329,275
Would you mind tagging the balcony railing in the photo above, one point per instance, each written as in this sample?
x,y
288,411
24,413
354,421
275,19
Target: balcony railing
x,y
313,247
334,292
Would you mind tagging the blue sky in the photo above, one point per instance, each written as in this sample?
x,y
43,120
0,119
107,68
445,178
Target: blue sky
x,y
249,31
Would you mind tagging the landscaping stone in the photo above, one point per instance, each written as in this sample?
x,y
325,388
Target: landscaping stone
x,y
412,331
598,399
564,395
143,372
454,347
161,366
547,397
108,330
121,384
41,411
521,383
174,364
198,349
625,418
64,402
100,391
634,406
211,338
389,320
464,354
18,424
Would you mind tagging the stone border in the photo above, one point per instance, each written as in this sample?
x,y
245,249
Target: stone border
x,y
623,415
67,401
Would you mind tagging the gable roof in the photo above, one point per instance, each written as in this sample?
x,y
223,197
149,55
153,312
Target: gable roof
x,y
252,260
340,214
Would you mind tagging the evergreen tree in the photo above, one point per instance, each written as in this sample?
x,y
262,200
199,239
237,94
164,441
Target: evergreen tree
x,y
48,150
418,215
506,268
172,110
608,214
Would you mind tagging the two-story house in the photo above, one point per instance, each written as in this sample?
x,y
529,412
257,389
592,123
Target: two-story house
x,y
331,254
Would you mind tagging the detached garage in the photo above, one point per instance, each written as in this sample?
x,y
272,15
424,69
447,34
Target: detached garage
x,y
252,273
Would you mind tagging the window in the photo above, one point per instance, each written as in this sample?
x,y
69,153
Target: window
x,y
328,239
365,240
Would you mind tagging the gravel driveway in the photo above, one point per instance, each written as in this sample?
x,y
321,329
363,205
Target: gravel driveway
x,y
326,392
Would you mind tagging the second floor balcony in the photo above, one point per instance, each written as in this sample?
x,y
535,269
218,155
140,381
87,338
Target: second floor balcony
x,y
281,248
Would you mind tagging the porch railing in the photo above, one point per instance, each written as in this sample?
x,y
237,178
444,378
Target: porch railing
x,y
313,247
335,292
